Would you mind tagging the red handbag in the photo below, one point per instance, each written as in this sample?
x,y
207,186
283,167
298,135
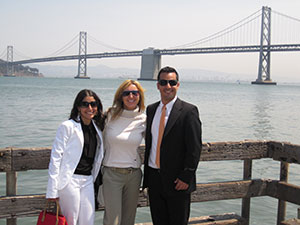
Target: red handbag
x,y
50,218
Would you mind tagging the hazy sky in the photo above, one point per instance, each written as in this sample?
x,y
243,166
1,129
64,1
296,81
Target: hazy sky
x,y
38,28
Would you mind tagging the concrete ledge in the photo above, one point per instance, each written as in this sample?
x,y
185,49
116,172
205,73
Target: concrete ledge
x,y
82,77
264,82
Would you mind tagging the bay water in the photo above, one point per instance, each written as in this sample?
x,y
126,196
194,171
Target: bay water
x,y
32,109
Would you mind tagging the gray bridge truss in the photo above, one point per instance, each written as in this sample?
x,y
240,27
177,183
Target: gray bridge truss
x,y
185,51
151,57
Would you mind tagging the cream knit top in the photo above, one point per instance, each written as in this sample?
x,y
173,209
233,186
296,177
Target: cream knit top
x,y
121,137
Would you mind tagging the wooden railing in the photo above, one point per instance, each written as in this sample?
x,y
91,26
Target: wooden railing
x,y
13,160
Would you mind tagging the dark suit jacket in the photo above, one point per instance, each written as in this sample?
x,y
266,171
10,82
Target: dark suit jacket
x,y
180,147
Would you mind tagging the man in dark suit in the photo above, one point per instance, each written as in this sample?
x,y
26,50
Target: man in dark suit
x,y
170,175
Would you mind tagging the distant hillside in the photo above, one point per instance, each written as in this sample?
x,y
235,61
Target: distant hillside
x,y
99,71
102,71
20,70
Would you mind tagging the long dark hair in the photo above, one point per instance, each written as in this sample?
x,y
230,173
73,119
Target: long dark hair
x,y
99,118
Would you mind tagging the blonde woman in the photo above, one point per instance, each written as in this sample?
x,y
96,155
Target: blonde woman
x,y
123,133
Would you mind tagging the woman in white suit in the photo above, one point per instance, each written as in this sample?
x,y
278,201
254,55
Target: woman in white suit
x,y
76,159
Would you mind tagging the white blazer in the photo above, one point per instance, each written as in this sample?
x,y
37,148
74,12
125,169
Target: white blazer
x,y
66,153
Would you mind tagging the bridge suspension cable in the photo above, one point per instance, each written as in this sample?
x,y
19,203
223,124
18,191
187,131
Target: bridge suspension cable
x,y
94,40
3,54
20,54
289,17
254,16
285,29
66,47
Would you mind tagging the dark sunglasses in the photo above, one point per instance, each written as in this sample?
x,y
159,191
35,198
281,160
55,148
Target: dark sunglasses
x,y
165,82
87,104
127,93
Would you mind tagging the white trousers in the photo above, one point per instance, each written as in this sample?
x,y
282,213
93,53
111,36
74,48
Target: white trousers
x,y
77,200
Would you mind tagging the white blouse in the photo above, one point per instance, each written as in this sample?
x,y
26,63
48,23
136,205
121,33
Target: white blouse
x,y
122,137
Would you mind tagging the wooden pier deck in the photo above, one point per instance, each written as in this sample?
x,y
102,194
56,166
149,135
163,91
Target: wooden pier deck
x,y
13,160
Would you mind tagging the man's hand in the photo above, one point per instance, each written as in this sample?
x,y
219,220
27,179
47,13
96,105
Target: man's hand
x,y
180,185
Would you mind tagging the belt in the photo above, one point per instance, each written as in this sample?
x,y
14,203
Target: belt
x,y
156,170
123,170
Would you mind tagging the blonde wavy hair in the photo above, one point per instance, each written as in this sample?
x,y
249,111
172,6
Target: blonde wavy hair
x,y
117,106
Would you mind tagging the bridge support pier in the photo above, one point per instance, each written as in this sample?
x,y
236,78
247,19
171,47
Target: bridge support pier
x,y
151,64
264,75
9,66
82,56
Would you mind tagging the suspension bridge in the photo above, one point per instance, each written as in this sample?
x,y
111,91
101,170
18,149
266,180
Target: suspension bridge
x,y
251,34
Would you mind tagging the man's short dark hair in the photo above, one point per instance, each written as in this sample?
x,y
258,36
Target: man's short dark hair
x,y
167,69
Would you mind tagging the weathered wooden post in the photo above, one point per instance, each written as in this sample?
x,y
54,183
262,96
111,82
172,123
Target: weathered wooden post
x,y
246,201
284,173
11,189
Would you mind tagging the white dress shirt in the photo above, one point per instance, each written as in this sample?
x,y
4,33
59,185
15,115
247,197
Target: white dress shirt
x,y
155,128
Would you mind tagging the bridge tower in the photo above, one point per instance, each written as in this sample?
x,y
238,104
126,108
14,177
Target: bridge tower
x,y
82,56
264,75
9,66
151,64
